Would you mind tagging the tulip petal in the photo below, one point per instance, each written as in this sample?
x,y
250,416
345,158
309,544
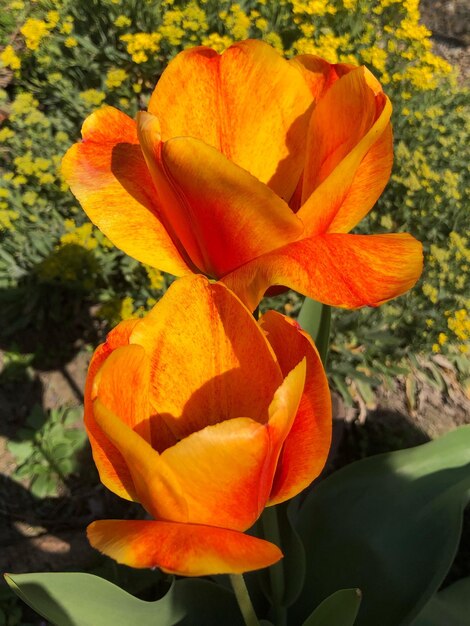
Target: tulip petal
x,y
156,486
282,414
221,473
108,175
235,218
306,446
342,270
227,102
181,549
201,340
111,466
318,73
349,155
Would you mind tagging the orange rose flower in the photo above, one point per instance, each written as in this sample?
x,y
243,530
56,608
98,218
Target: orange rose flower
x,y
251,169
205,416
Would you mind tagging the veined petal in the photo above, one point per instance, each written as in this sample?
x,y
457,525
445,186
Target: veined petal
x,y
220,470
201,340
318,73
175,214
307,444
349,155
249,103
108,175
233,216
156,486
111,466
282,414
342,270
181,549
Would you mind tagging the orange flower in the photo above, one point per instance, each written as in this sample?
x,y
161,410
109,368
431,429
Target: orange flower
x,y
251,169
205,417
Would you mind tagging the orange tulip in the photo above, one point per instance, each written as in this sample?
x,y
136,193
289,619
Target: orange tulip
x,y
205,416
251,169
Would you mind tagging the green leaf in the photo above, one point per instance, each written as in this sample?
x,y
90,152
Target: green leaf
x,y
315,318
450,607
339,609
75,599
388,525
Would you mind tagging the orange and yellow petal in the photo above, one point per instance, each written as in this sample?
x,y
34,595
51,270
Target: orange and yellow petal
x,y
306,446
233,216
201,340
318,73
349,155
181,549
342,270
221,470
108,460
108,175
249,103
282,414
155,484
173,210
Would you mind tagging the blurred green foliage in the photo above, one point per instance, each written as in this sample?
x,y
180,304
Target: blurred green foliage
x,y
46,448
63,59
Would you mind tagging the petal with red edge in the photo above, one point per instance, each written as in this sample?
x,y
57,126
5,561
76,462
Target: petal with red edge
x,y
155,485
307,444
175,215
181,549
342,270
111,466
249,103
201,341
349,156
108,175
318,73
233,216
221,472
282,413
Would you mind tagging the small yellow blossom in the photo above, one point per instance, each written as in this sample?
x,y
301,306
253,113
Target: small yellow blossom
x,y
122,21
33,31
9,58
115,78
5,134
442,338
70,42
92,97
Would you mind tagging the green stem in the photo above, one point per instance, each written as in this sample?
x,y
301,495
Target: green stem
x,y
243,599
276,571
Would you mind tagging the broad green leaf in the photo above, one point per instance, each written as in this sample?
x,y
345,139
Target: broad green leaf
x,y
388,525
450,607
315,318
339,609
75,599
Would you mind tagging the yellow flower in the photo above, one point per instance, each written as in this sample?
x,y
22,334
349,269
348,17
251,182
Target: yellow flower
x,y
442,338
92,97
155,277
139,44
33,31
115,78
218,42
122,21
53,18
30,198
70,42
5,134
9,58
7,217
